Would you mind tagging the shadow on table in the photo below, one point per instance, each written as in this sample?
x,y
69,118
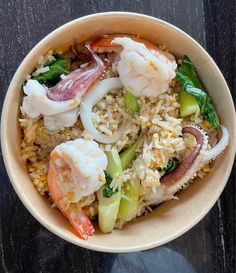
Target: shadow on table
x,y
160,260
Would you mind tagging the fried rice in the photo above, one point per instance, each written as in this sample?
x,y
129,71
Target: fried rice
x,y
159,117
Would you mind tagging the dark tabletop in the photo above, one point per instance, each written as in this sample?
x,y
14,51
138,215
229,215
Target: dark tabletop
x,y
25,245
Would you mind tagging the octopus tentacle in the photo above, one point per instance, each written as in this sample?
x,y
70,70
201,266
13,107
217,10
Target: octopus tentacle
x,y
219,147
188,168
177,174
78,82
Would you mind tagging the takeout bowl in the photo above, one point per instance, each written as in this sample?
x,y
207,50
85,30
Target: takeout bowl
x,y
172,218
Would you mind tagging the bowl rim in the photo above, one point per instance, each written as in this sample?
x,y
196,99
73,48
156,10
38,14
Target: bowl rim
x,y
31,208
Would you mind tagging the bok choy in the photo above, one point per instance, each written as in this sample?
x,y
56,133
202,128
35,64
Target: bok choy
x,y
190,83
109,200
130,189
56,68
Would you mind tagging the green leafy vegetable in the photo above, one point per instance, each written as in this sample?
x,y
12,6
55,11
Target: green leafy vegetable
x,y
189,80
131,103
129,154
188,69
108,206
171,165
108,177
188,87
57,67
107,190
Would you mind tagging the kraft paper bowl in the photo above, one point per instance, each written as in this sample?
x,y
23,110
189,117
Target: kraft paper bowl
x,y
172,218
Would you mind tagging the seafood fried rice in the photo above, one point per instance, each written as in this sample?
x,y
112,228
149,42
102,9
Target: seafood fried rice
x,y
115,126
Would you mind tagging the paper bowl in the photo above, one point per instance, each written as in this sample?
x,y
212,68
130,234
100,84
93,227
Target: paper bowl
x,y
172,218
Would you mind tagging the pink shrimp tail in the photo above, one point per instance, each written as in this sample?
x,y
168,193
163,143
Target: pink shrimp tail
x,y
75,214
78,219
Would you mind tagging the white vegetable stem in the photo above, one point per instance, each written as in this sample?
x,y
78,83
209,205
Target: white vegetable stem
x,y
86,107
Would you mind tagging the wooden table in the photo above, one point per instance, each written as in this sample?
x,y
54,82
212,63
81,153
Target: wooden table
x,y
25,245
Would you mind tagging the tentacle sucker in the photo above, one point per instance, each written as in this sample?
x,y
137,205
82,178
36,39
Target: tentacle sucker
x,y
219,147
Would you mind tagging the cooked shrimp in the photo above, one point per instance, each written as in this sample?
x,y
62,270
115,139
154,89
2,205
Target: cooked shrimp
x,y
76,170
142,71
104,43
